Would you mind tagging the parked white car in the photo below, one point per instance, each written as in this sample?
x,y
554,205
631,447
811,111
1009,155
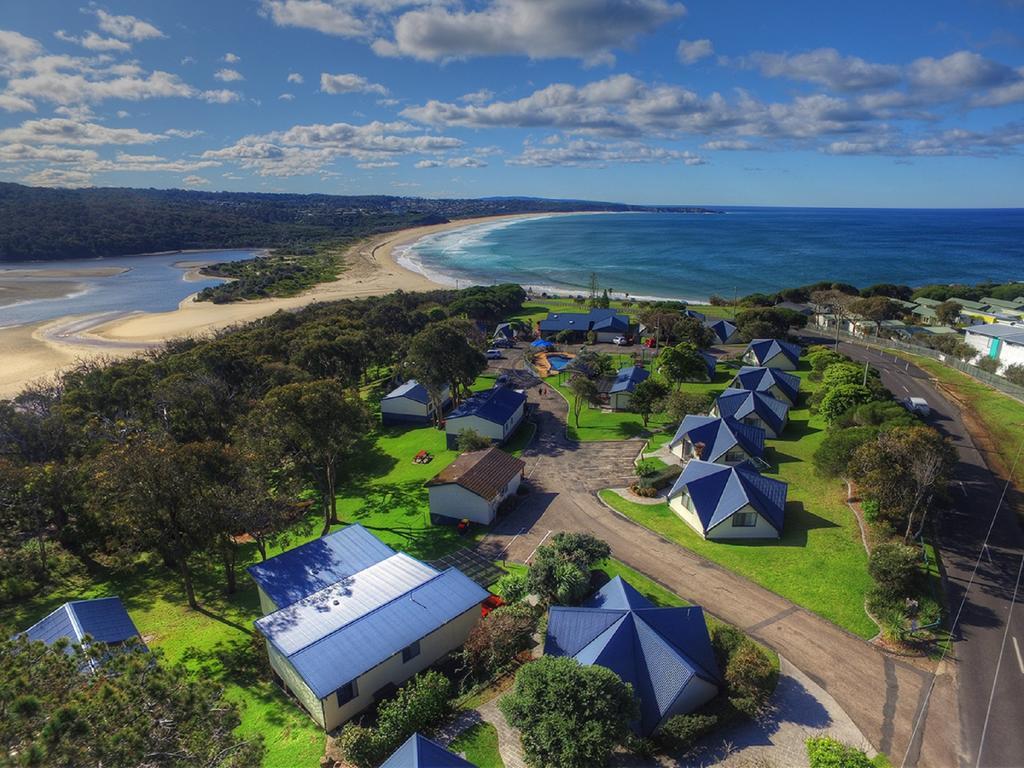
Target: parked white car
x,y
493,354
919,406
622,341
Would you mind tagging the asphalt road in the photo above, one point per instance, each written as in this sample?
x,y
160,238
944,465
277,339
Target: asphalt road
x,y
985,587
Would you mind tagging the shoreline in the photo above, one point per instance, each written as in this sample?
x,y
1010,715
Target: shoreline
x,y
38,351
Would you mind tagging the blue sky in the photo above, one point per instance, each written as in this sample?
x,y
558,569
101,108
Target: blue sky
x,y
915,104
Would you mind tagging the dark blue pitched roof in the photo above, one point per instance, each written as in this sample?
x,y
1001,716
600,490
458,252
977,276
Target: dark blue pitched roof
x,y
739,403
595,319
695,315
495,405
659,651
104,620
722,329
719,435
760,379
412,390
710,361
308,568
766,349
420,752
505,331
627,378
718,491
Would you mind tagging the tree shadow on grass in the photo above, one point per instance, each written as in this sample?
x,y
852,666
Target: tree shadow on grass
x,y
631,429
797,429
797,523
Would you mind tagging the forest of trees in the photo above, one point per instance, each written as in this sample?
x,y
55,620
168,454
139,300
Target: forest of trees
x,y
42,223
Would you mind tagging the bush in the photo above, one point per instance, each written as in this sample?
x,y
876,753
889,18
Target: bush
x,y
988,364
870,509
878,413
841,373
725,639
513,587
680,403
894,567
833,454
495,642
840,399
1015,374
645,468
824,752
751,678
470,440
681,732
360,746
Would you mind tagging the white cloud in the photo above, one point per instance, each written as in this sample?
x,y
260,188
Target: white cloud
x,y
126,27
195,181
82,113
286,96
590,154
374,165
63,131
10,103
963,69
728,144
338,19
56,177
68,80
94,42
221,96
429,164
188,60
690,51
123,114
477,97
228,75
581,29
466,162
183,134
349,83
15,47
826,66
295,77
232,58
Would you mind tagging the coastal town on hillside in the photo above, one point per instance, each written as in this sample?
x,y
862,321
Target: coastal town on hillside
x,y
638,530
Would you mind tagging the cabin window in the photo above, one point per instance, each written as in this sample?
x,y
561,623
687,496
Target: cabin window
x,y
744,520
347,692
410,652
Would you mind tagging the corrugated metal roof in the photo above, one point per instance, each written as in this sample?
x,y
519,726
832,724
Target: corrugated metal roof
x,y
719,435
485,473
495,405
627,378
657,650
360,645
411,390
740,403
299,572
604,319
760,379
1013,334
420,752
301,624
722,329
103,619
765,349
719,491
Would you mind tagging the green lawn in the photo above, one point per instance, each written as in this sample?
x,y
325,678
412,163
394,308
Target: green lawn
x,y
819,562
537,309
479,744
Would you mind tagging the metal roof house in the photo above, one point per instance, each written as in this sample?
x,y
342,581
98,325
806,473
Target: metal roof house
x,y
757,409
772,353
605,323
725,331
410,403
619,389
664,653
348,620
772,381
723,502
474,485
103,620
998,341
420,752
710,361
710,438
495,413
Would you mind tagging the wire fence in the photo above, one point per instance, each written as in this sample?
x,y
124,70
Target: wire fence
x,y
994,381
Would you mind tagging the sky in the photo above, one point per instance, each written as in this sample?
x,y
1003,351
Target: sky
x,y
825,103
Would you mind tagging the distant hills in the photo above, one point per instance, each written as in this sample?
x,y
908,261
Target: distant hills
x,y
44,223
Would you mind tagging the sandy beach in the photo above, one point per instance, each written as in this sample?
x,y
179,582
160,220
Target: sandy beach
x,y
29,353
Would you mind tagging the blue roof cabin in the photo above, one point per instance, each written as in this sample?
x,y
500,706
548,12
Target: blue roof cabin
x,y
103,620
725,331
410,403
772,353
772,381
723,502
710,361
605,323
710,438
420,752
348,619
619,389
495,413
664,653
756,409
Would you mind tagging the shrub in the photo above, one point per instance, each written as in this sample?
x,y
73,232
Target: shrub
x,y
680,403
870,509
821,358
645,468
841,373
681,732
751,678
988,364
825,752
513,587
1015,374
725,639
495,642
569,715
894,567
471,440
360,746
833,454
840,399
561,570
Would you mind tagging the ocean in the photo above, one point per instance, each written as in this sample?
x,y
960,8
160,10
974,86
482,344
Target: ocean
x,y
738,251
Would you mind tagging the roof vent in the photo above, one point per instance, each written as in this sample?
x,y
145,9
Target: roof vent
x,y
336,601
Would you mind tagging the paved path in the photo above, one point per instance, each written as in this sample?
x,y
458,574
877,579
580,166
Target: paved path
x,y
883,695
510,746
991,626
